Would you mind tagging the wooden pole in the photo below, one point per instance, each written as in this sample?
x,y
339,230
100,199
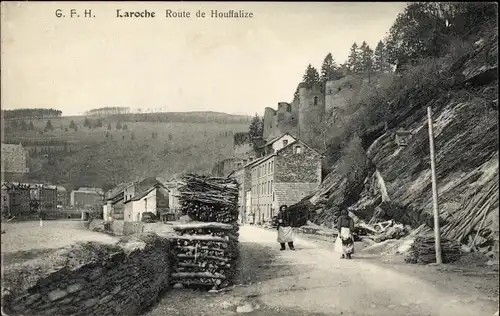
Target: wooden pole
x,y
437,233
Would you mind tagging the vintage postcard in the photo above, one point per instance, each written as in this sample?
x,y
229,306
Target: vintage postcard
x,y
258,158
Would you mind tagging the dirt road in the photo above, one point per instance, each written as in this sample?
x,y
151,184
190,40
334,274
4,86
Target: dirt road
x,y
315,281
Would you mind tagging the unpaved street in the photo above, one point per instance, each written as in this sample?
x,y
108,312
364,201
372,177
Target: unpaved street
x,y
315,281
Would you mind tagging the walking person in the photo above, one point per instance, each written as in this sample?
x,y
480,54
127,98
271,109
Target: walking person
x,y
344,244
285,231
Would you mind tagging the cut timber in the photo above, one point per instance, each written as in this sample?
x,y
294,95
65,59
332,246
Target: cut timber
x,y
181,275
201,237
210,225
181,256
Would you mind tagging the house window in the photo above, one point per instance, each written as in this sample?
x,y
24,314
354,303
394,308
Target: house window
x,y
298,150
315,100
289,108
285,142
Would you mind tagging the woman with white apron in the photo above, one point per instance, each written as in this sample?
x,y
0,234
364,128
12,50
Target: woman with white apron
x,y
344,244
285,231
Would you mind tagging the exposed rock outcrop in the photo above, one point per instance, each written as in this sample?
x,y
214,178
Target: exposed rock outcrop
x,y
398,180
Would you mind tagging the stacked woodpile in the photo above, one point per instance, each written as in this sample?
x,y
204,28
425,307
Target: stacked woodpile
x,y
205,254
206,250
423,251
209,199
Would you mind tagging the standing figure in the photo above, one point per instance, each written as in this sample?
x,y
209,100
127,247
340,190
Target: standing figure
x,y
344,244
285,231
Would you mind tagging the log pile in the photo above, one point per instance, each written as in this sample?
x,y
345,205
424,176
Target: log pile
x,y
423,251
205,254
209,199
206,250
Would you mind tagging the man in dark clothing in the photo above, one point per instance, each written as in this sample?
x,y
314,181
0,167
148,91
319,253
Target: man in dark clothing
x,y
285,232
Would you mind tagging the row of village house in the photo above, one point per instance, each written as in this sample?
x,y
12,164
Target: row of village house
x,y
25,198
128,201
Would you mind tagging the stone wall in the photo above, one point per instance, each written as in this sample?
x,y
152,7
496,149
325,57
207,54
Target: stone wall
x,y
291,193
283,120
90,279
304,167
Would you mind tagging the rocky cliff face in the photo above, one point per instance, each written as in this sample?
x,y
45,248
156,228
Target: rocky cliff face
x,y
397,180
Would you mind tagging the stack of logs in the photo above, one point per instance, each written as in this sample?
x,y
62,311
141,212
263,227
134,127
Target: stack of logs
x,y
206,250
423,251
209,199
205,254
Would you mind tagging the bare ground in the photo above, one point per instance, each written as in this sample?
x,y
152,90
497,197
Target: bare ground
x,y
314,281
27,240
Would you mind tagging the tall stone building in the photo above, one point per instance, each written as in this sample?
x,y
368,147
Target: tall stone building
x,y
15,161
286,171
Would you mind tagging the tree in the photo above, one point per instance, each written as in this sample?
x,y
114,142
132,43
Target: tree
x,y
118,125
49,126
109,126
14,125
366,59
31,127
425,29
296,95
98,123
72,124
86,123
107,135
169,136
76,128
311,76
125,127
354,59
380,58
256,128
329,69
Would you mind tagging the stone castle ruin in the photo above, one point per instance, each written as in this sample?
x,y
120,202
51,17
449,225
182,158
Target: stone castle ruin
x,y
304,117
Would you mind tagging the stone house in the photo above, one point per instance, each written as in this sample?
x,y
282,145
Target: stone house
x,y
275,144
62,196
289,171
154,199
14,164
43,197
15,199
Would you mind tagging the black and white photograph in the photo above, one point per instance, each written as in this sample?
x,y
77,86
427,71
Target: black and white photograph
x,y
249,158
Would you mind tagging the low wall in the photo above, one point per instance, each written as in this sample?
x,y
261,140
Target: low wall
x,y
90,279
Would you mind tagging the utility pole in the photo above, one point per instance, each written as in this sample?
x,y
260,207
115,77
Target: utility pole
x,y
437,233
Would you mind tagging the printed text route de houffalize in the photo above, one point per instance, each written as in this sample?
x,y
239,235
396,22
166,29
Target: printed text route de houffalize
x,y
238,14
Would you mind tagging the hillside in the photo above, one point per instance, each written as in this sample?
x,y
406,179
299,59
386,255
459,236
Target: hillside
x,y
373,174
188,142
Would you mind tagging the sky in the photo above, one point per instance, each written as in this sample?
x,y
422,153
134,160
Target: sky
x,y
237,66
